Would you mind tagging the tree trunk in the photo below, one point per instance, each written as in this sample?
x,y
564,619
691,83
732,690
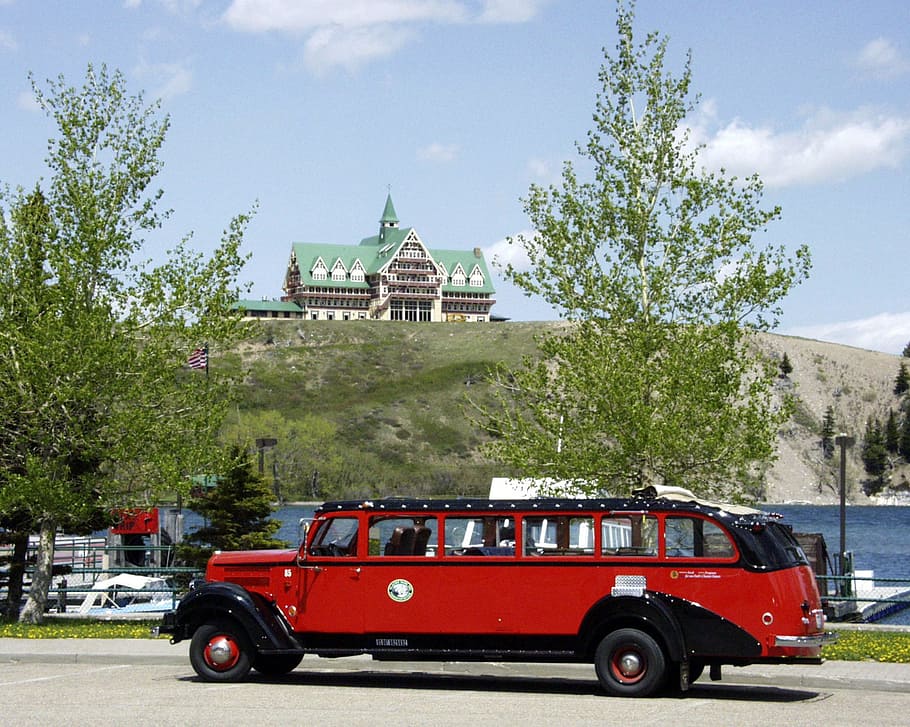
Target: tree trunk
x,y
16,574
33,612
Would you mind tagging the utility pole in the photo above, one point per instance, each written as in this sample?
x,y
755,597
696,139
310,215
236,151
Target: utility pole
x,y
843,441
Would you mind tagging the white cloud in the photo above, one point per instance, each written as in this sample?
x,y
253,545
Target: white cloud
x,y
501,253
168,79
888,332
539,168
8,41
828,147
437,152
334,46
348,33
27,101
881,59
509,11
292,16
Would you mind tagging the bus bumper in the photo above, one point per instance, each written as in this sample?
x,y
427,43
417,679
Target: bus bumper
x,y
805,642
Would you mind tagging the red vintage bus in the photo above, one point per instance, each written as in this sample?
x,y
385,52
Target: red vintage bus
x,y
651,590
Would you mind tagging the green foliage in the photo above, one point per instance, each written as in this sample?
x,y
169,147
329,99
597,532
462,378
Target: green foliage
x,y
891,434
873,453
903,443
828,432
786,368
237,513
902,380
654,263
882,646
95,408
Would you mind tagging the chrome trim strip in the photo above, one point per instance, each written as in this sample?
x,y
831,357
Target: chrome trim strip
x,y
806,642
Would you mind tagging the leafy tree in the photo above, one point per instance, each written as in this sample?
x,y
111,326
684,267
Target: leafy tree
x,y
906,352
237,513
95,411
653,263
307,446
874,454
902,380
828,433
786,368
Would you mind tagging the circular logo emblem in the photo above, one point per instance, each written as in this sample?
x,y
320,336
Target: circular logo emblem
x,y
400,590
674,574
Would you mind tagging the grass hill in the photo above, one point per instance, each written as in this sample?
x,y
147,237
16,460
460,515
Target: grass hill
x,y
364,408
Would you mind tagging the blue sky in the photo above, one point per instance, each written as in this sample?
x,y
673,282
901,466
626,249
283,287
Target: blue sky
x,y
315,108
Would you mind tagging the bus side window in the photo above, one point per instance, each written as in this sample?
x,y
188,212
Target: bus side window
x,y
558,535
479,536
402,536
688,537
629,535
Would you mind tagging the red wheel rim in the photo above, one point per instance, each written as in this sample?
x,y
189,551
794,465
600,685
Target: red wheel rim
x,y
628,666
221,652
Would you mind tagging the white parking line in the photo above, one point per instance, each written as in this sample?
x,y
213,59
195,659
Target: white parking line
x,y
79,673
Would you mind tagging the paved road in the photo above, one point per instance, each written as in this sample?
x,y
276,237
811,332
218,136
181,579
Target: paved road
x,y
88,694
146,682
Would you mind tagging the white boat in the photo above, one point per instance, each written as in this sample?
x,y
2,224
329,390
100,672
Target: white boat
x,y
127,592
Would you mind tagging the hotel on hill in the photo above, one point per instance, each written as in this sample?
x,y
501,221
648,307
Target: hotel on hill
x,y
392,276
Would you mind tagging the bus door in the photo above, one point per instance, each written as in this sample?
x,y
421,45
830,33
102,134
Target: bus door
x,y
330,580
702,560
450,581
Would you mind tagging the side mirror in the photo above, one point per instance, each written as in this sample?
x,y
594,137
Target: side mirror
x,y
303,528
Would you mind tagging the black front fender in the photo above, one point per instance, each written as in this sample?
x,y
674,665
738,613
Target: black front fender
x,y
213,601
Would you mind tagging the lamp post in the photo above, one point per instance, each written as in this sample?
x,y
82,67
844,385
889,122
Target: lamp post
x,y
262,444
843,441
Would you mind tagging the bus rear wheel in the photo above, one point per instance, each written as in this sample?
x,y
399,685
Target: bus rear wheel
x,y
630,663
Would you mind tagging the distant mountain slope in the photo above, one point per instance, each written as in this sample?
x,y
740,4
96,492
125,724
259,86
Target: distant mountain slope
x,y
395,394
858,384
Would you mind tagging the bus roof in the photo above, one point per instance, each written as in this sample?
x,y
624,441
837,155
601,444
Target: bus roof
x,y
645,501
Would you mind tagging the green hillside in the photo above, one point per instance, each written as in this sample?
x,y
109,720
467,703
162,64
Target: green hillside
x,y
373,408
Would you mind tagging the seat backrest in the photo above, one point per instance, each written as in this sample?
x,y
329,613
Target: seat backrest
x,y
421,538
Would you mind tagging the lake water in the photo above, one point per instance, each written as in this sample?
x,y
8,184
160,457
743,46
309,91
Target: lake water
x,y
878,536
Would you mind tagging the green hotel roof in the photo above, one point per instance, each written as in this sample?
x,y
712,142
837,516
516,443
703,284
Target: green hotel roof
x,y
374,252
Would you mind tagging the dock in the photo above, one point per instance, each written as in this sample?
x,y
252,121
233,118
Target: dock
x,y
870,602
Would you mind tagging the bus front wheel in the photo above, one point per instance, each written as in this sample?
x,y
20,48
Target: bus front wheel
x,y
630,663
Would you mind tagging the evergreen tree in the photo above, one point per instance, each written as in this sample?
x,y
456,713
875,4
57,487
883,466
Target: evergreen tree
x,y
237,512
906,351
874,454
828,433
785,366
892,433
902,380
903,445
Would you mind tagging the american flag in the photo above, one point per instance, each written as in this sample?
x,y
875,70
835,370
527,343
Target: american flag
x,y
199,358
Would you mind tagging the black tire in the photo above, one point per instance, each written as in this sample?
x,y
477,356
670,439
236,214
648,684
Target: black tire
x,y
220,652
630,663
276,665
